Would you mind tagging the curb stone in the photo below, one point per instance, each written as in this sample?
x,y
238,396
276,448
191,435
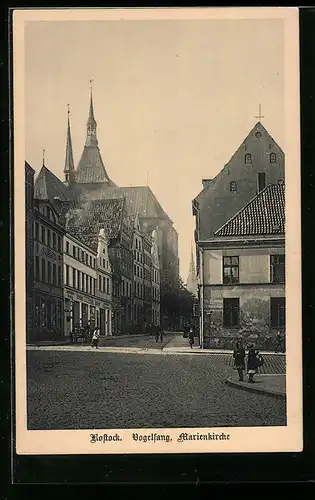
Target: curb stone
x,y
253,388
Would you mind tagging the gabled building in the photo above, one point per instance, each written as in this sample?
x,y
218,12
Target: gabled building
x,y
258,161
242,274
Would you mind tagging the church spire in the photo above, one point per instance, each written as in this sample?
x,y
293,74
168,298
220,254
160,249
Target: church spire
x,y
69,164
192,279
91,139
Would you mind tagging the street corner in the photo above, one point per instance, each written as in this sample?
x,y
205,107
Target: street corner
x,y
271,385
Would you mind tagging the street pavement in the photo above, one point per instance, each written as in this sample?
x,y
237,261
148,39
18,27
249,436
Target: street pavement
x,y
96,389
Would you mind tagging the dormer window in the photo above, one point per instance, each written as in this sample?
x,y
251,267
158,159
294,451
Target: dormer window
x,y
273,158
248,158
233,186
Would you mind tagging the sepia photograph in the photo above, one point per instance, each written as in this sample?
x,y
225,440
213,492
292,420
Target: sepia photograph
x,y
157,230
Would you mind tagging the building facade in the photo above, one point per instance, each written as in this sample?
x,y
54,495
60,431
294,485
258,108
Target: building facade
x,y
104,285
81,304
48,312
242,277
29,247
138,275
156,291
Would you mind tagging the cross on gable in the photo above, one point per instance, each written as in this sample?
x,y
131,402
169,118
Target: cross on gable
x,y
260,116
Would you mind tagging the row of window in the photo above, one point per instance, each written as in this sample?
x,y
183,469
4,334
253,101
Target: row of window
x,y
138,290
79,280
104,263
231,269
125,288
47,237
48,272
104,284
138,271
231,312
249,159
81,255
155,294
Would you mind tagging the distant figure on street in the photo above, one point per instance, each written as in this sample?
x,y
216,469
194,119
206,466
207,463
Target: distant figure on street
x,y
239,359
278,342
161,334
252,362
157,333
191,337
95,337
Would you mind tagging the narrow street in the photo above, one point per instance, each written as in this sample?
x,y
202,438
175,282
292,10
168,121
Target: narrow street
x,y
97,389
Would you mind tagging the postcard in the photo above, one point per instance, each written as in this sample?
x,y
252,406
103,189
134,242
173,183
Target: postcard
x,y
157,231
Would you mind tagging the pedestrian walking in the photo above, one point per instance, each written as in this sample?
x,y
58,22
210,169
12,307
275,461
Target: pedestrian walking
x,y
252,362
191,337
157,333
239,359
161,335
278,342
95,337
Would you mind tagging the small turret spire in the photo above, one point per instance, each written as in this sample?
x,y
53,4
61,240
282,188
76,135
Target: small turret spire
x,y
91,139
69,163
43,158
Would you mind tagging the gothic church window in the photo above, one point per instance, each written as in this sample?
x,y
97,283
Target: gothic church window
x,y
233,186
248,158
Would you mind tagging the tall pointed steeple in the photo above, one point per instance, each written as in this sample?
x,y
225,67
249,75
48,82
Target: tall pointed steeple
x,y
69,164
91,139
91,169
192,278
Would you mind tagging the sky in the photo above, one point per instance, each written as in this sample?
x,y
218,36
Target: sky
x,y
173,99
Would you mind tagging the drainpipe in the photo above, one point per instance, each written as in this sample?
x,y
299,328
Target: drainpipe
x,y
201,297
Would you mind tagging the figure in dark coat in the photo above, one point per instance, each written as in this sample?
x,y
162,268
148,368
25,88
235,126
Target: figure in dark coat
x,y
252,363
239,359
191,337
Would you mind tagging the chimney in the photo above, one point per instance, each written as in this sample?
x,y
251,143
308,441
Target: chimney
x,y
206,183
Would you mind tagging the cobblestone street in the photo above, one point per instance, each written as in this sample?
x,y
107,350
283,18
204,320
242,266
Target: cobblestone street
x,y
82,390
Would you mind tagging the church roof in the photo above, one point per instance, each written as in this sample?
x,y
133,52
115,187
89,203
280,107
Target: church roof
x,y
48,186
139,200
86,220
91,168
263,215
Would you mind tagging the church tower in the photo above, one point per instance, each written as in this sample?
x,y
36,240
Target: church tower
x,y
192,279
91,170
69,164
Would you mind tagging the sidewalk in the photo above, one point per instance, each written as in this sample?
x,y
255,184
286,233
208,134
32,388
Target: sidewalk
x,y
272,385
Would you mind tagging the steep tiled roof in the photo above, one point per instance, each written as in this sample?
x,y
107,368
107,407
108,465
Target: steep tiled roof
x,y
263,215
139,200
86,220
48,186
91,167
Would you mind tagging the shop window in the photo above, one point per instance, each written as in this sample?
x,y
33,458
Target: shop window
x,y
230,270
277,306
231,312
